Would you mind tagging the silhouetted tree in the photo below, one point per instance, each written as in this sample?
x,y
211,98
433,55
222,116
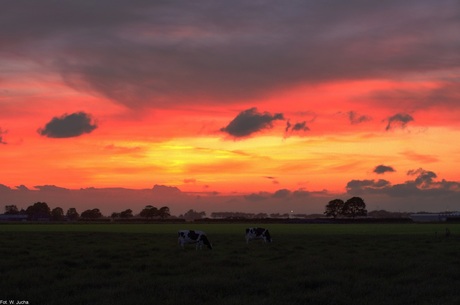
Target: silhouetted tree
x,y
192,215
39,210
149,212
91,214
354,206
126,214
334,208
57,214
11,209
163,212
72,214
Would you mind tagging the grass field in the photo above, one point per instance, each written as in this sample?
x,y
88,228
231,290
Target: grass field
x,y
305,264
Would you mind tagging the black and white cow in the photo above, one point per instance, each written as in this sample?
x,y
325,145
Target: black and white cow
x,y
198,238
258,233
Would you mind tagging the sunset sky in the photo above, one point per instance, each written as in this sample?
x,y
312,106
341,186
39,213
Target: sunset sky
x,y
252,106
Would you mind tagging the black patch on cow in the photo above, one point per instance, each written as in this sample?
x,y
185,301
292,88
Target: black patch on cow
x,y
247,230
259,231
192,235
181,234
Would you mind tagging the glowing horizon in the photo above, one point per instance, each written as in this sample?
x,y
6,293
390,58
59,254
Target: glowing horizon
x,y
250,105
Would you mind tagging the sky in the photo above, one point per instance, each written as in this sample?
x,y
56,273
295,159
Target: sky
x,y
249,106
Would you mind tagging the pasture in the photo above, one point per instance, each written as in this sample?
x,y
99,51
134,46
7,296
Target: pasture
x,y
306,264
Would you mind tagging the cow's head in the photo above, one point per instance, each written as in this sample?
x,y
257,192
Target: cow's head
x,y
205,241
268,238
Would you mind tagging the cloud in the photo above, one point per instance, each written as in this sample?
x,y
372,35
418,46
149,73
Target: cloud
x,y
399,119
381,169
2,132
301,194
423,185
145,53
68,125
189,180
22,187
273,179
4,188
355,118
419,157
281,194
164,190
362,186
47,188
443,94
255,197
424,178
250,121
300,126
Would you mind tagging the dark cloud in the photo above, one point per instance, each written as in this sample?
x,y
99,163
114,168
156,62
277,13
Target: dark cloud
x,y
68,125
22,187
255,197
281,194
250,121
48,188
361,186
423,185
273,179
445,94
2,132
164,190
300,194
355,118
300,126
424,178
4,188
399,119
381,169
151,53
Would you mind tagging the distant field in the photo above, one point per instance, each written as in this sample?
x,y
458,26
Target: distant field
x,y
306,264
238,229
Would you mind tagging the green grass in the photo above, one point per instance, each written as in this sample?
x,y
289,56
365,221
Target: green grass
x,y
306,264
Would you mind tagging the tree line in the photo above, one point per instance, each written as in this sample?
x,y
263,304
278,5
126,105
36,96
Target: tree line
x,y
41,211
353,207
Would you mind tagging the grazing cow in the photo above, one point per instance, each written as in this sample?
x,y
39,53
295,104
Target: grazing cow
x,y
193,237
258,233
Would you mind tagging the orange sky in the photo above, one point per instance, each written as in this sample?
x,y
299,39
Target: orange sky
x,y
128,99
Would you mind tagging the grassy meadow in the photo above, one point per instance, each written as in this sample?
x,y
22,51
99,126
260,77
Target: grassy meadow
x,y
306,264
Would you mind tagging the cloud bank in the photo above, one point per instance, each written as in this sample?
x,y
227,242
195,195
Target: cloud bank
x,y
423,185
149,54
